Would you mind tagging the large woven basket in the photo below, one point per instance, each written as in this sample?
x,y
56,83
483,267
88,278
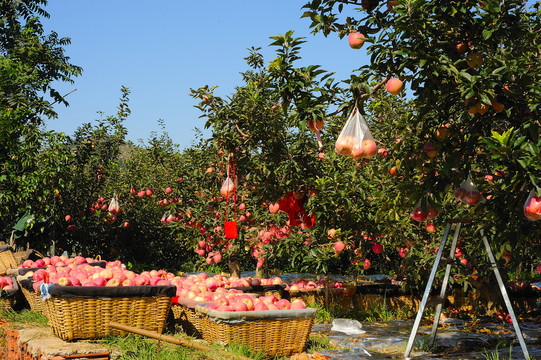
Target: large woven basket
x,y
7,260
76,312
34,300
7,297
277,333
188,320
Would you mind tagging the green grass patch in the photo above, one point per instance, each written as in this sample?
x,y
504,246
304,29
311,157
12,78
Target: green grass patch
x,y
25,317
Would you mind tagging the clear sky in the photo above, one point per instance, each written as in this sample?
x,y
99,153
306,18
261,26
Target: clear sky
x,y
162,49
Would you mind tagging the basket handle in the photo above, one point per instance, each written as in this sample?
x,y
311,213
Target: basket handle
x,y
98,257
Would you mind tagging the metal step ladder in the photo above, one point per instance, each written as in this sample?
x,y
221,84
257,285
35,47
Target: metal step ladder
x,y
415,329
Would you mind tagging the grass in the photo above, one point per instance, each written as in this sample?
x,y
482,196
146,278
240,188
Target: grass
x,y
495,354
24,317
134,347
376,313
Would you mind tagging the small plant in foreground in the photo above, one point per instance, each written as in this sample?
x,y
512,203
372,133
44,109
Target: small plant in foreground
x,y
495,354
319,342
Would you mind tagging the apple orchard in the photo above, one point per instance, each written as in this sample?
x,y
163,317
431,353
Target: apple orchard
x,y
451,97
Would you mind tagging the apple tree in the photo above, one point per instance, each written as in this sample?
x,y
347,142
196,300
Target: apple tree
x,y
471,72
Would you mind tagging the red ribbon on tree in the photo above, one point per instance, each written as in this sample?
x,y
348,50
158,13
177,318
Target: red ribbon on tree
x,y
295,210
230,227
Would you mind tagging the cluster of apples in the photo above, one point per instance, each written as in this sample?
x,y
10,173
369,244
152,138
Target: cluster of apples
x,y
303,284
350,146
217,290
532,208
55,261
199,286
114,274
6,283
418,214
468,196
247,302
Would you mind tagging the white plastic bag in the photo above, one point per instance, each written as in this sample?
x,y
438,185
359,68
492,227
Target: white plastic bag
x,y
468,193
532,207
113,205
228,188
355,139
424,211
347,326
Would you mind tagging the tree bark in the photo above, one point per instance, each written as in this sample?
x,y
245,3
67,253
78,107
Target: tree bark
x,y
234,265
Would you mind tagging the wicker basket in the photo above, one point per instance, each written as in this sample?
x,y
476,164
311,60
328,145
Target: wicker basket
x,y
6,303
7,260
7,297
191,323
34,300
73,314
278,333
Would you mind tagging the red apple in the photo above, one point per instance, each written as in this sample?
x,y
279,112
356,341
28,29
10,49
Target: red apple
x,y
460,194
356,40
370,148
141,193
64,281
283,304
133,191
274,208
113,282
149,192
473,197
223,308
68,217
168,190
298,304
403,252
366,264
418,215
357,151
238,306
377,248
260,306
128,282
430,227
430,150
395,86
441,133
339,246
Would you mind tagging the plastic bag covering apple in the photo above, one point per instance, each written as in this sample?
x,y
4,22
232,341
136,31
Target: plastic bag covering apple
x,y
355,139
468,193
532,207
113,205
423,210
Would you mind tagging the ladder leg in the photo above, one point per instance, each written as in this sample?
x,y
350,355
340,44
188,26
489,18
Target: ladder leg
x,y
444,286
427,292
505,296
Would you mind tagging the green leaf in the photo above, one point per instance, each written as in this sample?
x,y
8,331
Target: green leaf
x,y
487,34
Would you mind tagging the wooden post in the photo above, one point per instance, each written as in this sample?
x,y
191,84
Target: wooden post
x,y
170,339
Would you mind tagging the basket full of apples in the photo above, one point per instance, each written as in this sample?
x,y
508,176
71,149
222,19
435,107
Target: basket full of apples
x,y
8,292
274,326
80,300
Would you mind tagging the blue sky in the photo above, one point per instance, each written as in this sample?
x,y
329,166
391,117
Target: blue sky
x,y
160,50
